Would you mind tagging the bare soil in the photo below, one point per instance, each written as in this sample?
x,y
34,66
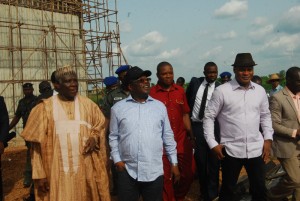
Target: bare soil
x,y
13,163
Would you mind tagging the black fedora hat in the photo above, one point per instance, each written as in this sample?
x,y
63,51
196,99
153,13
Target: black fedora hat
x,y
244,60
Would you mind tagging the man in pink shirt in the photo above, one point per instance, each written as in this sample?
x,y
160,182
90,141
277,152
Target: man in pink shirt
x,y
285,109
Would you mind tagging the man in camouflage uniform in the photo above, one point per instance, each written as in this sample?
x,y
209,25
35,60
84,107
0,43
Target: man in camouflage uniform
x,y
110,99
117,94
24,107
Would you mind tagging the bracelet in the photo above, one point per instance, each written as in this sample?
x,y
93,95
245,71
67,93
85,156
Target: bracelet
x,y
175,164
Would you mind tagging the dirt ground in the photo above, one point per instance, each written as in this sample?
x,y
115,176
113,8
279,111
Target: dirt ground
x,y
13,163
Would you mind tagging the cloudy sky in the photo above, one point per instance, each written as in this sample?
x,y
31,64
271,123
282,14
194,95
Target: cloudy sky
x,y
190,33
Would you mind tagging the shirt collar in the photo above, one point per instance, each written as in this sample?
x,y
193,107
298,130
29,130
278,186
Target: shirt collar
x,y
173,87
291,93
278,87
210,84
129,98
235,85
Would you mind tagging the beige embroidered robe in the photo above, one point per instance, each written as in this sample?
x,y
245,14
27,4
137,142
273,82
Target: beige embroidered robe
x,y
59,131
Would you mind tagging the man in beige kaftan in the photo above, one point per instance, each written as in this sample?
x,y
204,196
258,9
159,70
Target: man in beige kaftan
x,y
69,153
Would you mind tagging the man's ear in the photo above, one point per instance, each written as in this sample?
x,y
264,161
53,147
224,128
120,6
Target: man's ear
x,y
130,87
234,69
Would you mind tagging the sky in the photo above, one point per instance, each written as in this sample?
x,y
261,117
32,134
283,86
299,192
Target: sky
x,y
190,33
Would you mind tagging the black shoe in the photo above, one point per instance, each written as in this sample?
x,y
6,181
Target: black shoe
x,y
113,193
26,184
29,198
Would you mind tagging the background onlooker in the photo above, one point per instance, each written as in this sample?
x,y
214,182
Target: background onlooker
x,y
180,81
274,80
225,77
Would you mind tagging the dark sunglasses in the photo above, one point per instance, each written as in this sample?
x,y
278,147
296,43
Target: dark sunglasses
x,y
274,80
142,80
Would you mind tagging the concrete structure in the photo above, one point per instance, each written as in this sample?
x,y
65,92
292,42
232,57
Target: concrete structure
x,y
39,36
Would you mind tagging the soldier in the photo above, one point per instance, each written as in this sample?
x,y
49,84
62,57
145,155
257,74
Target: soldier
x,y
24,107
117,94
225,77
111,83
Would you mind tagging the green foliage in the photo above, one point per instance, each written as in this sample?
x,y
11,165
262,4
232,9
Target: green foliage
x,y
97,97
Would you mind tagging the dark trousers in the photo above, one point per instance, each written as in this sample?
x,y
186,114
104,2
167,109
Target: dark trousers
x,y
130,189
231,168
1,186
207,165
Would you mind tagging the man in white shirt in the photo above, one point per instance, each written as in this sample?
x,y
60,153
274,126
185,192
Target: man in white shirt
x,y
207,163
240,106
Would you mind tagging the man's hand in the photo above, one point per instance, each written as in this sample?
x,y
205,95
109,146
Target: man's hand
x,y
175,174
43,185
218,151
267,150
1,147
90,145
193,142
120,166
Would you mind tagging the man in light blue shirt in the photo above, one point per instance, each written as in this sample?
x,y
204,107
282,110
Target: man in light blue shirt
x,y
274,80
139,129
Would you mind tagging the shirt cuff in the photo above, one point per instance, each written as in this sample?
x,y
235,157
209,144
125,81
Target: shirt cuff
x,y
212,143
268,136
294,134
173,158
116,158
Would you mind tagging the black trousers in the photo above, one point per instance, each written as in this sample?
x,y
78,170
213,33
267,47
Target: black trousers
x,y
1,185
130,189
207,165
231,168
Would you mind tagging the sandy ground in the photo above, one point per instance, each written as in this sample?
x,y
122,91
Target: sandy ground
x,y
13,163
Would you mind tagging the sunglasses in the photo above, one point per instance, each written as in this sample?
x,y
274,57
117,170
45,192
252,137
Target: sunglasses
x,y
142,80
274,80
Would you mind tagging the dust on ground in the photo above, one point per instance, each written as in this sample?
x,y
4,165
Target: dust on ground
x,y
13,163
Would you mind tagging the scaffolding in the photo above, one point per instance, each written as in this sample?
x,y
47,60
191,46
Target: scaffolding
x,y
39,36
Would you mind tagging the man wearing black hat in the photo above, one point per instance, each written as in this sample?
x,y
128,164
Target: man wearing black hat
x,y
112,97
139,128
240,106
24,107
198,93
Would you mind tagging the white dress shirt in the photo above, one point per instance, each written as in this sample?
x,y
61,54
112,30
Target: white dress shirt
x,y
198,99
240,112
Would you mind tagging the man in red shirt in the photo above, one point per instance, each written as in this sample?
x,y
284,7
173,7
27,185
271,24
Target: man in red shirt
x,y
173,96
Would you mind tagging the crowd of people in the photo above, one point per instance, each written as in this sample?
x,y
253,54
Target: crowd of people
x,y
151,142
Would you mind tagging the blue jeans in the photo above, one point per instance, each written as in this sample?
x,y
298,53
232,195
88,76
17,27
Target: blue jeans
x,y
130,189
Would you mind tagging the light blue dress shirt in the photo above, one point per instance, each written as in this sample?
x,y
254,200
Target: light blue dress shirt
x,y
274,91
240,112
138,132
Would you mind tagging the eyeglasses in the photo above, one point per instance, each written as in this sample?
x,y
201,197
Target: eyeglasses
x,y
274,80
142,80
